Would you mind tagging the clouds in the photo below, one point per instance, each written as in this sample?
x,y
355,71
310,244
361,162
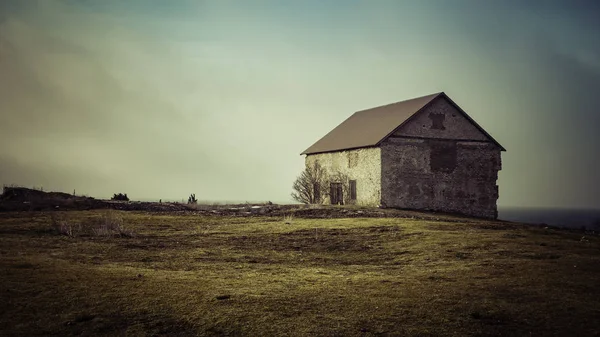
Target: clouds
x,y
102,100
87,90
219,98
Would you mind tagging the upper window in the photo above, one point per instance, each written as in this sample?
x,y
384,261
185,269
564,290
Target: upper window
x,y
437,121
352,159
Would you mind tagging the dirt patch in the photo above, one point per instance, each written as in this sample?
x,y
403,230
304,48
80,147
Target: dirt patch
x,y
318,240
496,226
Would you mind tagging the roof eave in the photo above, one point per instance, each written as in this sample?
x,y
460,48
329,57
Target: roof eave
x,y
409,118
340,150
474,122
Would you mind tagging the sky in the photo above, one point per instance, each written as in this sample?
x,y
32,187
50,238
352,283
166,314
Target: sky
x,y
160,99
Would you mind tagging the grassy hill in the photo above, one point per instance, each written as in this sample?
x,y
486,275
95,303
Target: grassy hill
x,y
138,273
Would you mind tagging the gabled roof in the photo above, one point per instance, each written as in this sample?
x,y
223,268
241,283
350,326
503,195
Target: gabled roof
x,y
370,127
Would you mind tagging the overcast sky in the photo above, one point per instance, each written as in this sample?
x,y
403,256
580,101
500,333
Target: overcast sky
x,y
160,99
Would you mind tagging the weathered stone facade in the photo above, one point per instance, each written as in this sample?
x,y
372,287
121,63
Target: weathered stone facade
x,y
438,160
465,183
452,168
362,165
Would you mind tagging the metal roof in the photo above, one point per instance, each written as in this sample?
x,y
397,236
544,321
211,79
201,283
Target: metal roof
x,y
367,128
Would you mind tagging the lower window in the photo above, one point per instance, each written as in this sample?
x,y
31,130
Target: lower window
x,y
352,189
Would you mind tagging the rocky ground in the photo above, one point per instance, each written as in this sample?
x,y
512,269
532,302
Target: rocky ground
x,y
24,199
20,199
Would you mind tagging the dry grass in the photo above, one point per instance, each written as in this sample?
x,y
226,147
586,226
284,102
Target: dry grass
x,y
108,223
64,227
111,224
287,219
198,275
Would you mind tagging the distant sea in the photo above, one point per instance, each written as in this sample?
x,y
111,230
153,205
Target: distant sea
x,y
569,218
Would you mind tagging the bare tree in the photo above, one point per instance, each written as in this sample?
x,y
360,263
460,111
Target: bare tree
x,y
311,185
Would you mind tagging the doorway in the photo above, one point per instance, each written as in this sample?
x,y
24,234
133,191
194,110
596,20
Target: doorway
x,y
336,194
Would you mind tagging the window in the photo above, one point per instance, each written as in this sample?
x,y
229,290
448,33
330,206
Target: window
x,y
352,189
442,156
352,159
437,121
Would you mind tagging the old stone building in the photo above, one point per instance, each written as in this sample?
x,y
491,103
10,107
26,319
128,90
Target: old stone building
x,y
425,153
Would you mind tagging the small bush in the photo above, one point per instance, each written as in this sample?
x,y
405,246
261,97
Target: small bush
x,y
111,224
287,219
192,199
120,197
64,227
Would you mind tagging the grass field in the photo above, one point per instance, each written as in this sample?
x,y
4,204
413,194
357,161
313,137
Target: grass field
x,y
178,275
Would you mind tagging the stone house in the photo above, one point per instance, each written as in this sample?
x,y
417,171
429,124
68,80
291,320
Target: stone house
x,y
425,153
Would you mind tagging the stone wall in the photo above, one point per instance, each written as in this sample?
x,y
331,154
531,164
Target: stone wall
x,y
440,175
362,165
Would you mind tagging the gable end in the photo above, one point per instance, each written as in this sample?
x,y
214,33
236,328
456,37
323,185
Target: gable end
x,y
436,121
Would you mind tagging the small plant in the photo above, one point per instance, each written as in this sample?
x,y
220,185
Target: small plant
x,y
120,197
192,199
287,219
63,227
66,229
111,224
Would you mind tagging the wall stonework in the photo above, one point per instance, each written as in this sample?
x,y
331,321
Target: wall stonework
x,y
455,124
468,186
362,165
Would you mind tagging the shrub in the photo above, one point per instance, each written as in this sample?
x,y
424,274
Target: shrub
x,y
108,224
64,227
120,196
311,185
192,199
111,224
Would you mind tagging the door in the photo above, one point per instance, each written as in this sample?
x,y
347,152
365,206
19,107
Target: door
x,y
336,194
